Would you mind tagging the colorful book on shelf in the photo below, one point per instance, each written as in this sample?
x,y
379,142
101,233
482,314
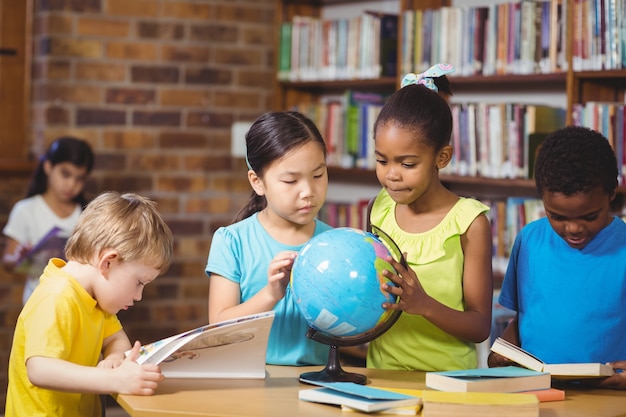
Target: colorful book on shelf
x,y
557,370
478,404
229,349
505,379
356,396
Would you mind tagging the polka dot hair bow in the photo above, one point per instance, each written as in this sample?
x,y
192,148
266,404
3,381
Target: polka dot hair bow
x,y
426,77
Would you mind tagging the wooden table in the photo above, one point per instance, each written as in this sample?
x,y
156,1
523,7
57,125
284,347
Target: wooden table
x,y
277,396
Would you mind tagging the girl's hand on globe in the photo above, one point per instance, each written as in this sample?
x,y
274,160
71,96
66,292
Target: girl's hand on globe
x,y
412,297
279,272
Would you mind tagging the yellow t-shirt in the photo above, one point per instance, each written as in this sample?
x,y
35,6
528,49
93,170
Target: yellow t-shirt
x,y
60,320
414,343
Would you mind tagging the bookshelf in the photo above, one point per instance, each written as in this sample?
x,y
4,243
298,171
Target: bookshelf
x,y
570,81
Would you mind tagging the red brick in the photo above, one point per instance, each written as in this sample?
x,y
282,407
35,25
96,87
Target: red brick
x,y
72,47
184,53
130,96
213,205
53,24
154,162
160,31
209,119
181,184
57,115
100,71
182,140
144,74
128,139
239,56
82,6
156,118
100,27
140,51
185,97
83,94
252,14
132,182
52,70
238,99
85,116
188,10
214,33
208,76
140,8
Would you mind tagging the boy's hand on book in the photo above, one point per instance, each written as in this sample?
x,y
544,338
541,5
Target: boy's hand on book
x,y
617,380
137,379
495,360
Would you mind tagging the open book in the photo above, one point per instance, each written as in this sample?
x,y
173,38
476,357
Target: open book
x,y
558,370
51,245
229,349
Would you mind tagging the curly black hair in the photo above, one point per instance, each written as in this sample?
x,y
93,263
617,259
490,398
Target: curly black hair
x,y
574,160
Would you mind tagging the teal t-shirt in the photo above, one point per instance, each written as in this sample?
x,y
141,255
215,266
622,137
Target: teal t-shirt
x,y
242,253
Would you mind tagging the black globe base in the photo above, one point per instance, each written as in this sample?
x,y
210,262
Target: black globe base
x,y
333,371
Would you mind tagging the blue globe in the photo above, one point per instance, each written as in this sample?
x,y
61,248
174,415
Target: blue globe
x,y
336,281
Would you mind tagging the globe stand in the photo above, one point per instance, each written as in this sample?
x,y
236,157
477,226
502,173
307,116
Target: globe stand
x,y
333,372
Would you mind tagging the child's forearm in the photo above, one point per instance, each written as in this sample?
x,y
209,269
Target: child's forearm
x,y
60,375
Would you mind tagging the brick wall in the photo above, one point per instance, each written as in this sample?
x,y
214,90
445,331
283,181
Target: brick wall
x,y
154,86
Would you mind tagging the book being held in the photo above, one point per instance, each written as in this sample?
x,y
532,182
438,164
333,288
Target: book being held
x,y
557,370
229,349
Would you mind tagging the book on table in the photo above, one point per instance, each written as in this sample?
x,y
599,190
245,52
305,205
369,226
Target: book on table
x,y
356,396
504,379
478,404
233,348
557,370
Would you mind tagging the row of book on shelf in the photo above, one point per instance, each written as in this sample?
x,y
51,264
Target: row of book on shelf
x,y
360,47
491,140
500,38
507,218
506,38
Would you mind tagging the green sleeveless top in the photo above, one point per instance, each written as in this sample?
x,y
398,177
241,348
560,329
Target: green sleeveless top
x,y
414,343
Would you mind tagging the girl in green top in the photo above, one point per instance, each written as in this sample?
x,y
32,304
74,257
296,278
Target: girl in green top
x,y
447,291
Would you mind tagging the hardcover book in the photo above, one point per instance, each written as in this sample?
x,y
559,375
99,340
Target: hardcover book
x,y
558,370
479,404
505,379
356,396
229,349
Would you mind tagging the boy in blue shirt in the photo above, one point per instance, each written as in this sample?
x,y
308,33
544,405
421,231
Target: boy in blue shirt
x,y
566,277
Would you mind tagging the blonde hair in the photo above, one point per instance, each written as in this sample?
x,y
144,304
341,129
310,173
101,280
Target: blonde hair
x,y
127,223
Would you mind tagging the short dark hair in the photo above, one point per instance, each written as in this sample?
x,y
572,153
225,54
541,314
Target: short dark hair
x,y
574,160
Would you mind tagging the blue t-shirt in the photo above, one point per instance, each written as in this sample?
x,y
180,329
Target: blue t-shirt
x,y
571,302
242,253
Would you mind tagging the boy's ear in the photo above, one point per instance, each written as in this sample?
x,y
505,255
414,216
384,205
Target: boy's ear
x,y
107,258
444,156
256,182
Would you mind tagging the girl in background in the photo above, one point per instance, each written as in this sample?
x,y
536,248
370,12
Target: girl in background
x,y
250,261
446,294
54,198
